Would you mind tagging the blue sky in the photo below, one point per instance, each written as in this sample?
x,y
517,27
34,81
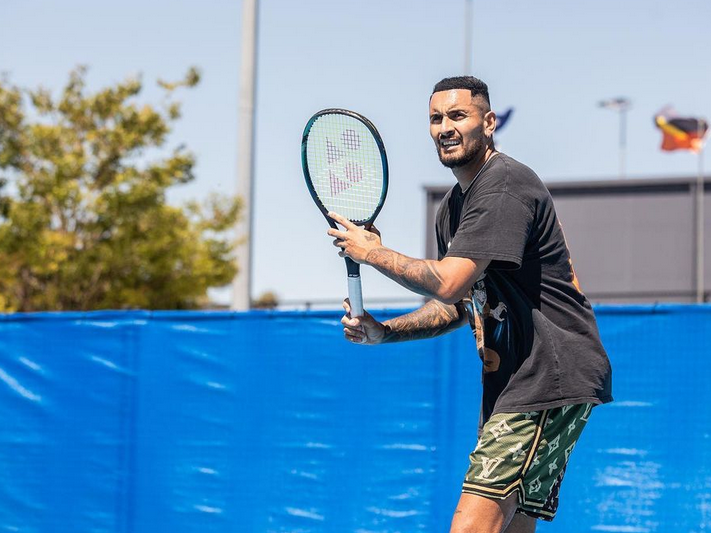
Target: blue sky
x,y
552,61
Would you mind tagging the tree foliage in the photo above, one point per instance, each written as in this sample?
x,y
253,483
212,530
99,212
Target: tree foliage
x,y
266,300
84,221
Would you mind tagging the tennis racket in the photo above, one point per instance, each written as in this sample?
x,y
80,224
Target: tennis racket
x,y
346,171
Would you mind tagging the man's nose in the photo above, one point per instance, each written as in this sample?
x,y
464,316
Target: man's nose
x,y
445,128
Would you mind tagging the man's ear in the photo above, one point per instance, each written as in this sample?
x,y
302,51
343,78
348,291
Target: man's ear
x,y
489,123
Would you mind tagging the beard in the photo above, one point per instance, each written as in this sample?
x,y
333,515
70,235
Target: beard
x,y
460,160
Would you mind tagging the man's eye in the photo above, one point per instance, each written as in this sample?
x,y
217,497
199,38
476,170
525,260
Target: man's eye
x,y
435,119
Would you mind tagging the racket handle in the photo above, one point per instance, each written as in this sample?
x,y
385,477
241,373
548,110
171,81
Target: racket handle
x,y
355,293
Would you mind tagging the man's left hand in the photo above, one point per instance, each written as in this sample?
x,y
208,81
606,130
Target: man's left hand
x,y
355,242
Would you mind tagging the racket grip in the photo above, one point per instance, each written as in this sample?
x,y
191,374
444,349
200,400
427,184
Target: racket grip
x,y
355,293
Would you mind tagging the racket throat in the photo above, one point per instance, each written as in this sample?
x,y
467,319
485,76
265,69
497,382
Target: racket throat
x,y
352,267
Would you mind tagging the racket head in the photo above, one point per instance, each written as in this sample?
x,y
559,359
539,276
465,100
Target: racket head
x,y
345,165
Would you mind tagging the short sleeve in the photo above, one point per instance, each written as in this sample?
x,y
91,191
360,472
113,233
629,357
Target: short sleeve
x,y
495,226
441,247
440,217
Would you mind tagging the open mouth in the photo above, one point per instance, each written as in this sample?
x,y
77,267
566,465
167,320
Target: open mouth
x,y
449,143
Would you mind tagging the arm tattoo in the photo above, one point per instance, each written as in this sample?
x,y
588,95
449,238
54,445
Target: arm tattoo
x,y
418,275
432,319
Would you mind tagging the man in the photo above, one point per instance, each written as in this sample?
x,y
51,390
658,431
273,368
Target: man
x,y
503,267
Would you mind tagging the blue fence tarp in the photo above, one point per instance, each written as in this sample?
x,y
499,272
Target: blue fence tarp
x,y
269,422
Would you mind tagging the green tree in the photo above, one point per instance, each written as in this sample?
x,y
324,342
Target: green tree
x,y
84,221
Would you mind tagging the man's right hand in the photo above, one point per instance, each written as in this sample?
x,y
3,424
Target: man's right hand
x,y
363,329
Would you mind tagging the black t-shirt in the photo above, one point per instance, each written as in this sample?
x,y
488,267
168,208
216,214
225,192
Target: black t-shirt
x,y
535,330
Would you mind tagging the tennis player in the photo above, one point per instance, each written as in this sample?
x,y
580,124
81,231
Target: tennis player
x,y
503,268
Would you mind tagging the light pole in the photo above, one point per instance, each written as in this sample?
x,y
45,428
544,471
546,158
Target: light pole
x,y
621,106
242,284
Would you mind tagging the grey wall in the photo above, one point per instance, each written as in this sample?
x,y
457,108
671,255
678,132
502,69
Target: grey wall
x,y
631,241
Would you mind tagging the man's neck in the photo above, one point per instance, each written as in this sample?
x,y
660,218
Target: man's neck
x,y
467,173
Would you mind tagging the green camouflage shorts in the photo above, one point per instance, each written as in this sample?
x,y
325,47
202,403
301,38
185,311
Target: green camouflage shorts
x,y
526,453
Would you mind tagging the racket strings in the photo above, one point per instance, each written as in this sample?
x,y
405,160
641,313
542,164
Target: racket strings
x,y
345,166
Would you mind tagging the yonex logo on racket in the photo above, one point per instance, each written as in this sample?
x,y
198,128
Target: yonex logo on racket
x,y
351,139
353,173
351,170
333,154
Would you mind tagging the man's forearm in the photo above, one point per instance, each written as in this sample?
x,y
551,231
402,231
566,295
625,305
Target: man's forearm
x,y
432,319
418,275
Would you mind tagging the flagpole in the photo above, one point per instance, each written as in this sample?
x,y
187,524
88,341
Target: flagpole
x,y
467,37
621,106
700,296
623,140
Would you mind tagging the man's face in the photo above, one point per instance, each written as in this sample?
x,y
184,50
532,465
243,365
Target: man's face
x,y
458,126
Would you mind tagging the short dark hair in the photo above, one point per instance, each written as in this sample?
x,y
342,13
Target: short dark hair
x,y
475,85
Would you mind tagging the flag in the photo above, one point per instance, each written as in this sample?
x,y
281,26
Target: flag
x,y
503,118
680,133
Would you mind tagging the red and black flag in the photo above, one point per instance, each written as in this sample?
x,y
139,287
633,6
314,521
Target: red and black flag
x,y
680,133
